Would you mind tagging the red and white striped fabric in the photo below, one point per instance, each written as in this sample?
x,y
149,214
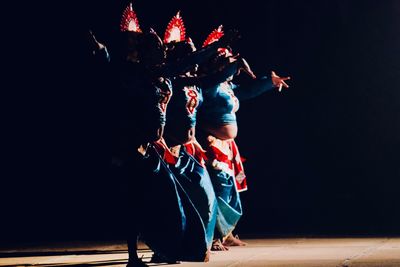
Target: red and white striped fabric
x,y
194,149
165,152
228,161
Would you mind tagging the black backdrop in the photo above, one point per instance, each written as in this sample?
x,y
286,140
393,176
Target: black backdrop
x,y
322,157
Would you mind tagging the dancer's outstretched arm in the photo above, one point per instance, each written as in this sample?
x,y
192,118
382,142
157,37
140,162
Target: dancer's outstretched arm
x,y
99,50
211,81
259,86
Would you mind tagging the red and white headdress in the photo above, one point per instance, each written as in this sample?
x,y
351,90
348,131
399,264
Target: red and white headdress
x,y
175,30
129,20
214,36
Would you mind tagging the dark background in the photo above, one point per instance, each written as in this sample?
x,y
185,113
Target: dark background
x,y
322,157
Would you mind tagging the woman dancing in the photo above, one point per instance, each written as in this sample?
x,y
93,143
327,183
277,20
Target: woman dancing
x,y
180,131
219,125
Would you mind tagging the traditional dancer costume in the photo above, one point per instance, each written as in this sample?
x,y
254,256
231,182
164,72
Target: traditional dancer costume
x,y
168,223
224,162
189,166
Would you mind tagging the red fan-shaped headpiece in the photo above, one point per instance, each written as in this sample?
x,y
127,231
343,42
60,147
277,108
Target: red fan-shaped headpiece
x,y
175,30
214,36
129,20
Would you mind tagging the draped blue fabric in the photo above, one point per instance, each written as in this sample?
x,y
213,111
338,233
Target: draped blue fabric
x,y
196,181
170,223
229,204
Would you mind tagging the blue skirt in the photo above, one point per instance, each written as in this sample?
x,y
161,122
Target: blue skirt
x,y
196,182
170,223
229,204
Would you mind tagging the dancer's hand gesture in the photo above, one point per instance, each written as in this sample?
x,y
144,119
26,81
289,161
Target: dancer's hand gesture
x,y
279,81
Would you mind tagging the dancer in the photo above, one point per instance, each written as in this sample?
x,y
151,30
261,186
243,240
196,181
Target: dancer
x,y
156,196
218,122
180,131
188,167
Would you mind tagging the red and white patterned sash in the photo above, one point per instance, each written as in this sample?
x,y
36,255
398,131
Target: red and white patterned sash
x,y
194,148
230,163
165,152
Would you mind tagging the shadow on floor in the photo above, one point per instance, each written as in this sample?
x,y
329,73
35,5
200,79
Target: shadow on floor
x,y
18,254
83,264
76,264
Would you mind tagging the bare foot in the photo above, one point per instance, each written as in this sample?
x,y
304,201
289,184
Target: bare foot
x,y
233,241
207,257
218,246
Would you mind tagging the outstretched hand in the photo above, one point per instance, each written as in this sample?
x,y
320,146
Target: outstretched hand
x,y
279,81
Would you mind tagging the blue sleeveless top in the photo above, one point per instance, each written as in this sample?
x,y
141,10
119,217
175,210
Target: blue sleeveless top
x,y
221,102
188,95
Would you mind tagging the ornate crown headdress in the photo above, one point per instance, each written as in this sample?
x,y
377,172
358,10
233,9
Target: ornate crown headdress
x,y
214,36
129,20
176,30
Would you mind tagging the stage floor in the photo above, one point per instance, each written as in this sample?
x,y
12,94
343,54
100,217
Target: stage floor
x,y
290,252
